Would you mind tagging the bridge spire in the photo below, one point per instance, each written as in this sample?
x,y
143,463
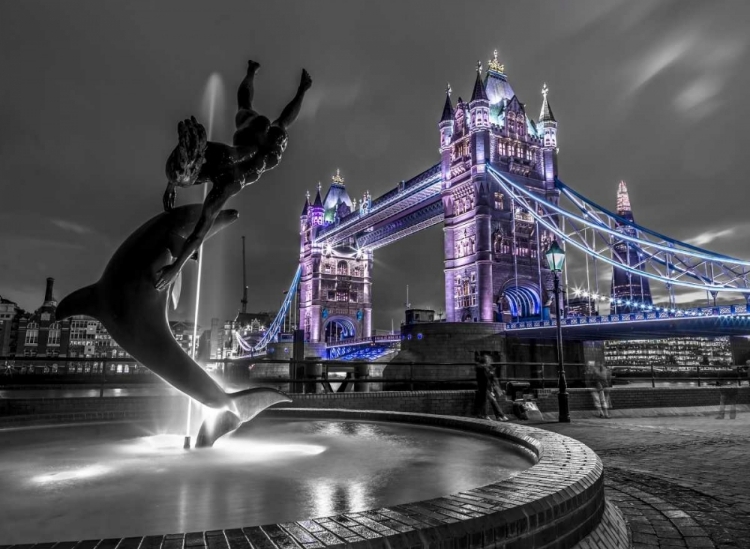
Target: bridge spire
x,y
448,107
546,114
306,207
479,93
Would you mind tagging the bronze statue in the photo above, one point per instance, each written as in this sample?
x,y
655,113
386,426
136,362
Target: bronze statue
x,y
257,147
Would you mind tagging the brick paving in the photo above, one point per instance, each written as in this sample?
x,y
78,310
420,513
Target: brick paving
x,y
678,481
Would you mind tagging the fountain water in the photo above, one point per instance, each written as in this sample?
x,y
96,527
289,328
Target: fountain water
x,y
213,93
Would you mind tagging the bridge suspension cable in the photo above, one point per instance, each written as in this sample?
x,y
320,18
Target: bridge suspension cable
x,y
659,257
278,322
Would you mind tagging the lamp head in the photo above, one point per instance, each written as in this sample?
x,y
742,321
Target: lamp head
x,y
555,257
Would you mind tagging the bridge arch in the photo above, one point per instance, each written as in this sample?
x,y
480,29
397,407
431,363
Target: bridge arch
x,y
523,301
339,328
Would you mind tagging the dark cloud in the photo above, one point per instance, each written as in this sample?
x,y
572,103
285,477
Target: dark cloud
x,y
91,94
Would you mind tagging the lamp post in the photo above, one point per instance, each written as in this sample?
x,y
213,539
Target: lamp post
x,y
556,259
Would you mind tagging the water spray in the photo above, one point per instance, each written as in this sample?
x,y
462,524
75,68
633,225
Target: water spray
x,y
210,96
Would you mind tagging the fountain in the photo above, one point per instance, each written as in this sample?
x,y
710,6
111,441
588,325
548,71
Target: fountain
x,y
326,477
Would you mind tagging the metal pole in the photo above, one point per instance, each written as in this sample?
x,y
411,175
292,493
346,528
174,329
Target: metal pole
x,y
653,381
562,385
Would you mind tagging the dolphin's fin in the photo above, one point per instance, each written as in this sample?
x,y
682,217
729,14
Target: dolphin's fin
x,y
247,404
81,302
176,290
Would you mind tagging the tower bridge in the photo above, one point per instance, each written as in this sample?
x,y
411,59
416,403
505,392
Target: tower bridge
x,y
498,194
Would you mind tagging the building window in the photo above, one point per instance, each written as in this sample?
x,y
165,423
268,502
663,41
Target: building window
x,y
327,268
32,334
342,268
498,201
53,336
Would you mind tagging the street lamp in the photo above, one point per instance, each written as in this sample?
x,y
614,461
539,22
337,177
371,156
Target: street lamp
x,y
556,259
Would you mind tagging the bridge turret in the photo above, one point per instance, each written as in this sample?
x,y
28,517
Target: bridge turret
x,y
446,135
548,128
479,106
316,211
337,203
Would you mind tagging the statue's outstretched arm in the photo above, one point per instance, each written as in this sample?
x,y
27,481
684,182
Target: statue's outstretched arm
x,y
215,201
291,111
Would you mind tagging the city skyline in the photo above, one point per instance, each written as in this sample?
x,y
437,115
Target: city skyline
x,y
87,129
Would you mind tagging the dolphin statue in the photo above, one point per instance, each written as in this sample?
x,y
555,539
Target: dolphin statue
x,y
134,313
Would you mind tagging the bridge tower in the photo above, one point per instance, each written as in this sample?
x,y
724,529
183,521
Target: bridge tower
x,y
625,285
335,285
493,268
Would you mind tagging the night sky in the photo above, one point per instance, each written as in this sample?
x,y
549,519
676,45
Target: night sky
x,y
654,93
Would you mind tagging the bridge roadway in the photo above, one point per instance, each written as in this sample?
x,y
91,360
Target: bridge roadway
x,y
410,207
725,320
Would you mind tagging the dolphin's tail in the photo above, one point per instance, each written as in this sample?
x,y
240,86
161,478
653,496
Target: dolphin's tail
x,y
81,302
245,406
250,402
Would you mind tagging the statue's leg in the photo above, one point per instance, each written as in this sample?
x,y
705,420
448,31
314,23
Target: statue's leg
x,y
246,90
291,111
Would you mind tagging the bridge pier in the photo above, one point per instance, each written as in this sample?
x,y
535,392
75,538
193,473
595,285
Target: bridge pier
x,y
445,350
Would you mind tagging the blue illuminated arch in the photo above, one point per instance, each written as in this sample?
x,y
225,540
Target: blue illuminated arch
x,y
524,302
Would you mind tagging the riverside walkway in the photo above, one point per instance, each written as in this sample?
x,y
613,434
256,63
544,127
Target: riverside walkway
x,y
680,481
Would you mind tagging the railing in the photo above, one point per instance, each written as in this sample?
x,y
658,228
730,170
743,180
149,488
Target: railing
x,y
653,314
364,340
313,374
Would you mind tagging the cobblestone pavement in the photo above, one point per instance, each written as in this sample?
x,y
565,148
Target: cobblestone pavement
x,y
679,481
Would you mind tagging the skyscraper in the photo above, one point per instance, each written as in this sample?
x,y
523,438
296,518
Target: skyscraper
x,y
631,288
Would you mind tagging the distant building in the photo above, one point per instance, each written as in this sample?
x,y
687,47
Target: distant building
x,y
415,316
8,326
582,306
182,331
631,288
679,351
41,335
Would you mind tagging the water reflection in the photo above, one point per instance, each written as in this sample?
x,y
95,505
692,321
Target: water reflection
x,y
118,480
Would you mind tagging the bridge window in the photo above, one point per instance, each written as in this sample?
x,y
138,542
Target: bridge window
x,y
342,296
498,201
327,268
342,268
357,271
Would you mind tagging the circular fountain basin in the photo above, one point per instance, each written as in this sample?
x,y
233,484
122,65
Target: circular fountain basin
x,y
111,480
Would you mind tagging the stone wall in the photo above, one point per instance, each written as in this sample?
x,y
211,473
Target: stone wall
x,y
645,397
454,403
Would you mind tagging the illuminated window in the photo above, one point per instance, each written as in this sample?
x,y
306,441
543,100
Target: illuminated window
x,y
53,336
498,201
32,334
342,268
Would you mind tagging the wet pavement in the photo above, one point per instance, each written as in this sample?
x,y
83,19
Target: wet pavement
x,y
679,481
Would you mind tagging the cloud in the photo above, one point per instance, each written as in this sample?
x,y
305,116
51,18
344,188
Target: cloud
x,y
694,99
709,236
70,226
661,58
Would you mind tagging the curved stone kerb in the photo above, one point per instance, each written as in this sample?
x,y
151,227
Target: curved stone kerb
x,y
555,503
